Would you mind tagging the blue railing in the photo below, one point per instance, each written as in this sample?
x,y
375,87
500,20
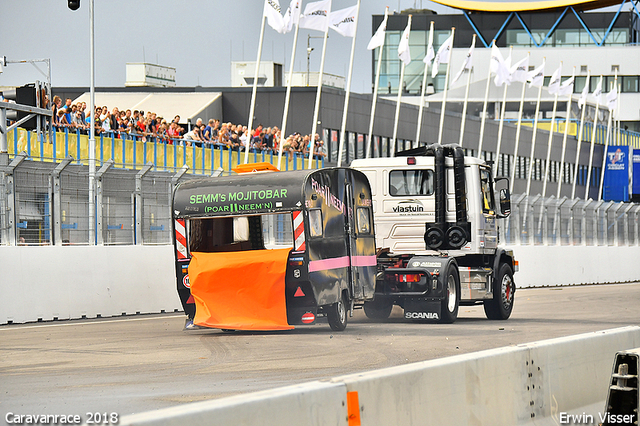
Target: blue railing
x,y
135,151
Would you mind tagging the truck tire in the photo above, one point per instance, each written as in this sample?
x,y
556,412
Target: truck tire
x,y
451,301
500,307
378,309
337,314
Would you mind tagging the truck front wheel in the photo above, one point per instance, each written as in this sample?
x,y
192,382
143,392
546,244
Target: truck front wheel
x,y
378,309
337,314
500,307
451,301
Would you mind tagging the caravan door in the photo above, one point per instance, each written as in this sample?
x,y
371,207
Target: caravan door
x,y
360,234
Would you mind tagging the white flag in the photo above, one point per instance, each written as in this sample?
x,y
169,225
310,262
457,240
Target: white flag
x,y
612,99
292,14
404,53
598,92
378,38
443,55
499,67
536,77
343,21
583,96
430,52
554,83
466,65
316,16
566,88
520,70
273,12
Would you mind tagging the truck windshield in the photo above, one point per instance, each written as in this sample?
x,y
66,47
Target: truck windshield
x,y
410,182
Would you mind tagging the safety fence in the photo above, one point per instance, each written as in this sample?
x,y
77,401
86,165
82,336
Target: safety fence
x,y
535,220
46,203
135,152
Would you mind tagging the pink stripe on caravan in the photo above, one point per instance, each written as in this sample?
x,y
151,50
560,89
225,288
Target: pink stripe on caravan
x,y
364,261
340,262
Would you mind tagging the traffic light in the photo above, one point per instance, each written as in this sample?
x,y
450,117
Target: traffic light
x,y
73,4
25,95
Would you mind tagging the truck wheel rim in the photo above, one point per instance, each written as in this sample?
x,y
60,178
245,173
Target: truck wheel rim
x,y
451,291
507,291
342,312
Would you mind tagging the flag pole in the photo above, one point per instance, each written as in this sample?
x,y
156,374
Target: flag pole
x,y
564,140
374,100
254,91
606,142
547,164
518,128
397,116
343,129
446,85
424,86
316,111
503,109
584,108
593,140
283,129
532,154
484,107
466,99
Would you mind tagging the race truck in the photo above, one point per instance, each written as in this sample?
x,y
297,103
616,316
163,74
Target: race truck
x,y
268,250
436,227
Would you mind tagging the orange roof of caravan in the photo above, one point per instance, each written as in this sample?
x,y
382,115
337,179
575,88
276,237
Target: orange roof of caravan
x,y
525,5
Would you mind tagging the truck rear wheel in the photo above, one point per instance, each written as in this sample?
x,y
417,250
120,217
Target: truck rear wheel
x,y
337,314
451,301
378,309
500,307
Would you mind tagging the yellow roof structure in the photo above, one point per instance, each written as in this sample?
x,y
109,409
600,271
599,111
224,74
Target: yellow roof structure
x,y
525,5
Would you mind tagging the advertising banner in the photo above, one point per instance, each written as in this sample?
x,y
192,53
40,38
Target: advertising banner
x,y
617,174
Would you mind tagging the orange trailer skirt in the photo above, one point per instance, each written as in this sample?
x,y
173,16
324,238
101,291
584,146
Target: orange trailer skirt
x,y
241,290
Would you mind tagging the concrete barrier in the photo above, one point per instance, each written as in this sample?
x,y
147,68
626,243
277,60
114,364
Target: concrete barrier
x,y
567,265
539,383
43,283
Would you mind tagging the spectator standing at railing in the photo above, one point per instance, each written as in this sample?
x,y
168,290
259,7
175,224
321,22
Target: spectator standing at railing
x,y
244,137
267,140
208,130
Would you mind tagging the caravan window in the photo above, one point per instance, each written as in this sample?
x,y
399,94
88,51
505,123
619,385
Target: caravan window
x,y
315,223
363,217
410,182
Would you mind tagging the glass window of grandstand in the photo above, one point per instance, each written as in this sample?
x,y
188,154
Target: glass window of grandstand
x,y
630,84
519,37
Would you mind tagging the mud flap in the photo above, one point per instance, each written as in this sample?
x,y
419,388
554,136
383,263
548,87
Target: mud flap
x,y
421,309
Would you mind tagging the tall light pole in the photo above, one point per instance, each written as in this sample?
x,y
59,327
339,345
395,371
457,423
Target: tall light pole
x,y
309,50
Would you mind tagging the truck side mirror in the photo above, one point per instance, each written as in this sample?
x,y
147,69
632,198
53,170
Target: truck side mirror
x,y
503,197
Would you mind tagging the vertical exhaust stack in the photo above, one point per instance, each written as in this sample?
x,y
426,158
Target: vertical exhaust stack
x,y
442,235
434,235
459,234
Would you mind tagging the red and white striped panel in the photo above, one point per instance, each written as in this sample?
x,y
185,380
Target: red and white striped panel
x,y
298,231
181,240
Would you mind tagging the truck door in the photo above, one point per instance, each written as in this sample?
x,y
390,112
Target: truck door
x,y
489,241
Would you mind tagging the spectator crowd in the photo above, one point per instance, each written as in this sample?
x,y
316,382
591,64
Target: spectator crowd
x,y
150,127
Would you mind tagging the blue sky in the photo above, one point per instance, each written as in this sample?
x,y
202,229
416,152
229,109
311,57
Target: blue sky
x,y
197,37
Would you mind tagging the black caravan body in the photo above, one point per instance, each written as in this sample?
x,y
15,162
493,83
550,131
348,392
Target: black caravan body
x,y
323,219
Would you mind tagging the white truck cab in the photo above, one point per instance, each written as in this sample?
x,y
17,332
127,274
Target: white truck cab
x,y
438,210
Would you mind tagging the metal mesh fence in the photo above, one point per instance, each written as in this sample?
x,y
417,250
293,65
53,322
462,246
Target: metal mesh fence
x,y
32,203
118,187
156,210
74,215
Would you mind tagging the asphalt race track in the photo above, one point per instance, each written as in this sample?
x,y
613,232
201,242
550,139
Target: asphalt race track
x,y
134,364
